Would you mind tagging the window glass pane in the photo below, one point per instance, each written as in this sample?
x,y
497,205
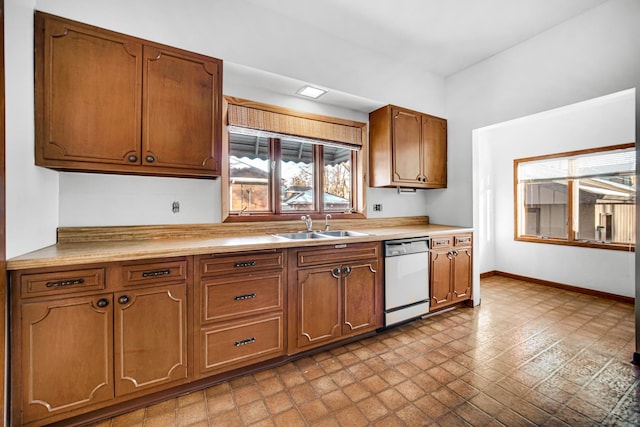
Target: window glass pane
x,y
607,209
545,209
296,173
337,179
249,175
602,183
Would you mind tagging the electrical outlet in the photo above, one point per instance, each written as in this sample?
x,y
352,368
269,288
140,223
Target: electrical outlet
x,y
377,207
175,207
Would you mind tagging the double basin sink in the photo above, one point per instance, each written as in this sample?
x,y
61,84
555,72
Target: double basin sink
x,y
304,235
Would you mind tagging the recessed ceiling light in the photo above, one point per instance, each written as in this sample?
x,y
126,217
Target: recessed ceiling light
x,y
311,92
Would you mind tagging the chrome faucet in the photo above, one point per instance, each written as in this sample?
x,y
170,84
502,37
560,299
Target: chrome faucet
x,y
307,220
327,217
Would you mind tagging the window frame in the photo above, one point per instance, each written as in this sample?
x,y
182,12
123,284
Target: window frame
x,y
358,172
570,240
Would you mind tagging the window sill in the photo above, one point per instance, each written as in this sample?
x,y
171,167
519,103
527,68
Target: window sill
x,y
594,244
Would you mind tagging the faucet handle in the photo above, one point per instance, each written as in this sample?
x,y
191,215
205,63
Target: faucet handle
x,y
307,220
327,217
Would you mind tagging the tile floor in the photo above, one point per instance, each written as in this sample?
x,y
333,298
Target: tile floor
x,y
528,355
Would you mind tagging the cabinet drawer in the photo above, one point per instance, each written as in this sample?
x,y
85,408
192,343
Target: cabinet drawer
x,y
441,242
462,240
337,253
231,297
154,272
61,282
241,342
240,263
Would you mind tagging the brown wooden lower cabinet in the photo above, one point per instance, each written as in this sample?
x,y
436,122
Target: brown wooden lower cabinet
x,y
240,301
450,270
335,292
75,349
86,338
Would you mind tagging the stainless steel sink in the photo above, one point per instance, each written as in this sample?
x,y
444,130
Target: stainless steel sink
x,y
302,235
342,233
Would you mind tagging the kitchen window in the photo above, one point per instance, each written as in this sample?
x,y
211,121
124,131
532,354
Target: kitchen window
x,y
282,166
579,198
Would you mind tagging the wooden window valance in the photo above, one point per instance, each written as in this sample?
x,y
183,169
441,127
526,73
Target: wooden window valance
x,y
277,120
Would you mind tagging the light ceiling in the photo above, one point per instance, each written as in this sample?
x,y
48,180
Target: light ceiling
x,y
441,37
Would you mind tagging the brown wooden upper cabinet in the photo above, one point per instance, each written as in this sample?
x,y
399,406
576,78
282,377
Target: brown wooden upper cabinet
x,y
407,149
108,102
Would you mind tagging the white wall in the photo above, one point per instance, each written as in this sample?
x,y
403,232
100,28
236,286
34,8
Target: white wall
x,y
607,120
31,192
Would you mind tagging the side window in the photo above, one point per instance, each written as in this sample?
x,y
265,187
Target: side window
x,y
581,198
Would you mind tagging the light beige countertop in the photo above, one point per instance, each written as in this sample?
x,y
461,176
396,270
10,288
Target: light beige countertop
x,y
123,249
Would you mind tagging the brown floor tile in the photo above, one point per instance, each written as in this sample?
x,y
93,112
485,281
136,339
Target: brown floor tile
x,y
336,400
278,402
351,417
253,412
373,408
375,383
270,386
411,416
247,394
192,414
392,399
291,418
313,410
220,404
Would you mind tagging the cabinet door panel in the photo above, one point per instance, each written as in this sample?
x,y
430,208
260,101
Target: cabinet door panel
x,y
79,334
407,151
440,278
462,274
88,92
434,139
181,104
318,305
362,300
150,337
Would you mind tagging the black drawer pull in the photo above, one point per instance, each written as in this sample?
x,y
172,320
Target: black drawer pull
x,y
156,273
245,341
464,240
241,264
245,296
64,283
441,242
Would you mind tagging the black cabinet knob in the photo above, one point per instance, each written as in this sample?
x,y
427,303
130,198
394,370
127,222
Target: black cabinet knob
x,y
150,159
102,302
132,158
123,299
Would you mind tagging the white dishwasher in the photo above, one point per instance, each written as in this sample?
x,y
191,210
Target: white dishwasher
x,y
406,279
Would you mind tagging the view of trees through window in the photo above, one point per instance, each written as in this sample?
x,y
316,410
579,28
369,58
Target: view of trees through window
x,y
303,171
581,197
